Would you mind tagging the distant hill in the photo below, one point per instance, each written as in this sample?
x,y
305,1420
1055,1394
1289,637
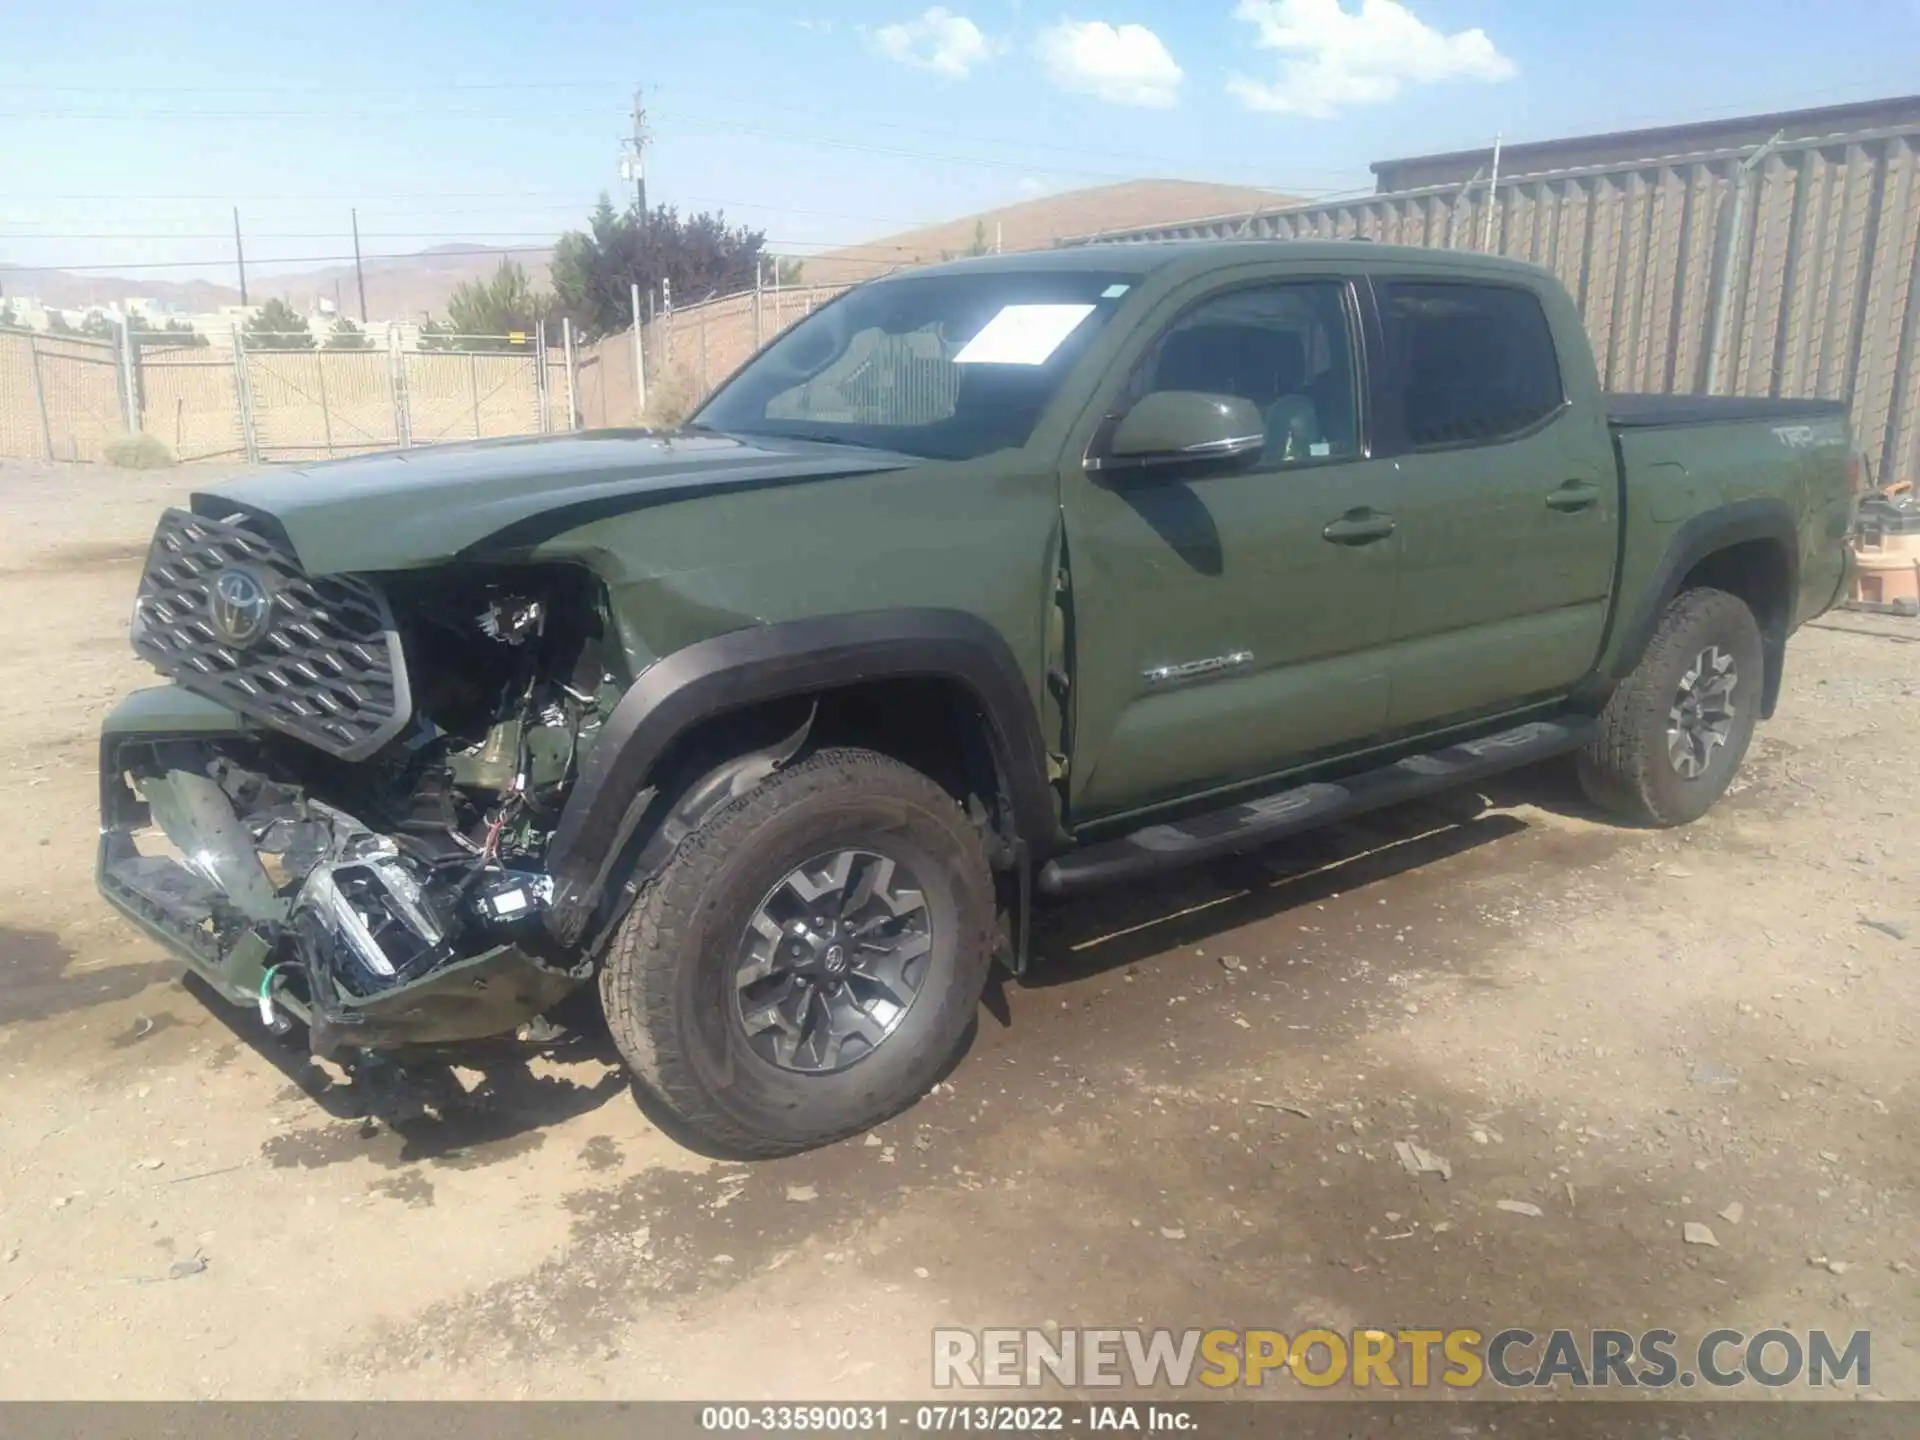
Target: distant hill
x,y
1036,224
66,290
403,287
398,288
406,287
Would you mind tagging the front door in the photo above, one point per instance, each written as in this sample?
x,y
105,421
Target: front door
x,y
1229,625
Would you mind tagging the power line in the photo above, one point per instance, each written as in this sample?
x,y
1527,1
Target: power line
x,y
452,235
713,125
1016,142
721,201
829,250
305,197
225,260
569,206
329,88
436,235
311,202
335,112
943,132
639,118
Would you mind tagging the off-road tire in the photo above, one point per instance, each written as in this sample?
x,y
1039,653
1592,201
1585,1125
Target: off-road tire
x,y
1626,769
666,977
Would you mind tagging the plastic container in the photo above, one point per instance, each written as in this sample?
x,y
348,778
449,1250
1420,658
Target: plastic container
x,y
1886,545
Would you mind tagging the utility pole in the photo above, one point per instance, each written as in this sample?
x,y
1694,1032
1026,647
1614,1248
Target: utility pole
x,y
239,255
359,275
633,160
1733,263
1493,197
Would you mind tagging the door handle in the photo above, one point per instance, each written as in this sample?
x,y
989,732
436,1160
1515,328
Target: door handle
x,y
1359,527
1574,495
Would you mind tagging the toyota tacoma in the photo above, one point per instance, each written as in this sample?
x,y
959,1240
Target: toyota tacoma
x,y
984,584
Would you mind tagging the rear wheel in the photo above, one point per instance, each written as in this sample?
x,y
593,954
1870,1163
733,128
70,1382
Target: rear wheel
x,y
1675,731
809,959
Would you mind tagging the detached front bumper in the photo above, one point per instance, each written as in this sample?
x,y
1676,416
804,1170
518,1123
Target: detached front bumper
x,y
298,908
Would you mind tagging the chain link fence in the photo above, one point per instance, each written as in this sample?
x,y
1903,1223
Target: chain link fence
x,y
245,398
684,355
61,398
66,398
190,402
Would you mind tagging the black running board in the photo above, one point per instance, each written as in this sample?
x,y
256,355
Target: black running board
x,y
1253,823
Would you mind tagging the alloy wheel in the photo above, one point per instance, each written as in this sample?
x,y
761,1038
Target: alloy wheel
x,y
832,960
1701,717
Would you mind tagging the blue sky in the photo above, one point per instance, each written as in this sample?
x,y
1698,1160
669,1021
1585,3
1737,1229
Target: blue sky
x,y
127,130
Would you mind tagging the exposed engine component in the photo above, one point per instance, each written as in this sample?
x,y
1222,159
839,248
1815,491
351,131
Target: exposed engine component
x,y
512,895
512,620
319,886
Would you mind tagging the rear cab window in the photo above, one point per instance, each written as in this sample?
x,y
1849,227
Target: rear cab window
x,y
1467,362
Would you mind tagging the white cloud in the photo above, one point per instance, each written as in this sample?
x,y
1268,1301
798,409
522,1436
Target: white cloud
x,y
939,40
1124,64
817,27
1333,58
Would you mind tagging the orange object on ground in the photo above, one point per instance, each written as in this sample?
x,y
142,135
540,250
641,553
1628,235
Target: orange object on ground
x,y
1887,565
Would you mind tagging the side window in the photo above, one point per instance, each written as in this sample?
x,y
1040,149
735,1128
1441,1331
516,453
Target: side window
x,y
1472,364
1287,348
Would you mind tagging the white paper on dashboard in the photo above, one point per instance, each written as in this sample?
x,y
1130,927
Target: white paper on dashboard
x,y
1022,335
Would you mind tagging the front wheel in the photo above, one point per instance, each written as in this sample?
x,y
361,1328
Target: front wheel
x,y
809,959
1675,731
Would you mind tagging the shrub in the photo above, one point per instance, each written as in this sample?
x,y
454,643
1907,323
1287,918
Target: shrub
x,y
137,452
670,399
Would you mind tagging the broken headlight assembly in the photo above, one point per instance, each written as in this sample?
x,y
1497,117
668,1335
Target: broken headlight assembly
x,y
397,898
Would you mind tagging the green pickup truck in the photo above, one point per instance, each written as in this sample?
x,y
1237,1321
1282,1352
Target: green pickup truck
x,y
988,583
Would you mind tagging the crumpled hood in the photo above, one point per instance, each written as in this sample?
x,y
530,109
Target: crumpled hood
x,y
409,508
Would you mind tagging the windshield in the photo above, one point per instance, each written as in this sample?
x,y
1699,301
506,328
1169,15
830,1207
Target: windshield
x,y
948,367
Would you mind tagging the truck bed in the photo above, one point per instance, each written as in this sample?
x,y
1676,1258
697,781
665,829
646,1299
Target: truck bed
x,y
1647,412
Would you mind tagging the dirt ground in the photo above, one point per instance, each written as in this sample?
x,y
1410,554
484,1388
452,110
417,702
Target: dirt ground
x,y
1184,1116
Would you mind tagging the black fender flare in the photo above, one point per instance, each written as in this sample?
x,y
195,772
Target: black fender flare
x,y
788,660
1695,540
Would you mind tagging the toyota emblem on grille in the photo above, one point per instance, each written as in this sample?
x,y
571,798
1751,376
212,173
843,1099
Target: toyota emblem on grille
x,y
239,607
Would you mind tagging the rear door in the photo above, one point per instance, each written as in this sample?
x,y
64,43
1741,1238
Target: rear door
x,y
1509,503
1228,625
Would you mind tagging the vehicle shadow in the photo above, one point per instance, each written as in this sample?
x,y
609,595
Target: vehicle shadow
x,y
416,1093
436,1113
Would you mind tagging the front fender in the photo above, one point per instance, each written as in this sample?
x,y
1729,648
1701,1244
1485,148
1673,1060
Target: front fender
x,y
777,662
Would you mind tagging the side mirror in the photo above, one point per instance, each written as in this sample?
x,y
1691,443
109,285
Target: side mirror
x,y
1186,427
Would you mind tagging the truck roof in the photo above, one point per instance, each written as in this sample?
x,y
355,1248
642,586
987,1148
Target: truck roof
x,y
1142,257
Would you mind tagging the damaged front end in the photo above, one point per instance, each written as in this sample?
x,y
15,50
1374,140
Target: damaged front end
x,y
341,816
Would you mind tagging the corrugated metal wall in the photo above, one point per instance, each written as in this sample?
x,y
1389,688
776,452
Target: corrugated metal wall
x,y
1813,266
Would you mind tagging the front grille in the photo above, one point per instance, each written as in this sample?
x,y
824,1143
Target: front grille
x,y
322,661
